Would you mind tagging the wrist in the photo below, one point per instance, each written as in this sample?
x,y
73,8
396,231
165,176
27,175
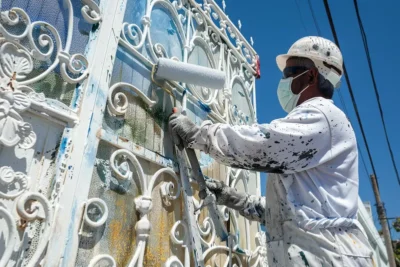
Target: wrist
x,y
199,140
234,199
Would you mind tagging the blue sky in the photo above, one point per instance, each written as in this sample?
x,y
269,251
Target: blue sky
x,y
275,25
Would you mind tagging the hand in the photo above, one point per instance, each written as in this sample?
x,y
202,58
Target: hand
x,y
224,194
218,188
182,130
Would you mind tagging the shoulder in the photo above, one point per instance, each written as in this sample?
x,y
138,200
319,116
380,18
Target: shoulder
x,y
323,105
310,111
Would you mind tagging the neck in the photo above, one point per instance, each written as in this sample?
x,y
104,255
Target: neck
x,y
303,98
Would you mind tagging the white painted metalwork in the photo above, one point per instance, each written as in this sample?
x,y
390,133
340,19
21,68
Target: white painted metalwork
x,y
107,259
49,189
91,11
11,235
143,203
18,98
26,116
10,179
39,209
54,146
137,150
95,203
118,101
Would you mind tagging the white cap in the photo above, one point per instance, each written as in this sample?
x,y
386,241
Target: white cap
x,y
324,53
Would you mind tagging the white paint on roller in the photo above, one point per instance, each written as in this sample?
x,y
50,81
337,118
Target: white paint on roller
x,y
173,70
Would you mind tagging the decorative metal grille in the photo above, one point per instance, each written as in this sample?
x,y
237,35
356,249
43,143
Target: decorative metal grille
x,y
88,175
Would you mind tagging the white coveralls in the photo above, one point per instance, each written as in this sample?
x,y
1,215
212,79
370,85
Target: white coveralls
x,y
310,209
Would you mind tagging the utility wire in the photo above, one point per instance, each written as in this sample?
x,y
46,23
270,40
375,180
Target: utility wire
x,y
339,91
364,38
363,161
315,20
328,12
301,17
319,34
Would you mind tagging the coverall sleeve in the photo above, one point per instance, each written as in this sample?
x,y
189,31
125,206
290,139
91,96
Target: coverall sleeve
x,y
300,141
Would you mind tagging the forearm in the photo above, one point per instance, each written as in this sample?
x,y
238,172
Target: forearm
x,y
252,207
292,144
236,146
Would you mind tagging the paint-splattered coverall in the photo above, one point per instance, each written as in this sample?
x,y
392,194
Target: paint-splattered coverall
x,y
311,206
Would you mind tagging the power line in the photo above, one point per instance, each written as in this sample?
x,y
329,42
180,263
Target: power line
x,y
339,91
365,42
301,17
319,34
328,12
380,208
363,161
315,20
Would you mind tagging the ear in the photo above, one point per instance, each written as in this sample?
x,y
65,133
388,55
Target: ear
x,y
313,76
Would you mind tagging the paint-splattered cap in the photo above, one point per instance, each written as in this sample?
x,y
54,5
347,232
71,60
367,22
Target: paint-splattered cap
x,y
324,53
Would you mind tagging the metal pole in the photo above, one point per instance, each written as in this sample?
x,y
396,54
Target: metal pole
x,y
384,223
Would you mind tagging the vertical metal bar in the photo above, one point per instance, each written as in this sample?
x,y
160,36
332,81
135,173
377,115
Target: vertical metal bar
x,y
65,239
195,242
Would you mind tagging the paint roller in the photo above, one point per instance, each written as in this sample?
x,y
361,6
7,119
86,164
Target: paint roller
x,y
172,70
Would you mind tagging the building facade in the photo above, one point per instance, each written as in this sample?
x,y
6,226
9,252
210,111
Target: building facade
x,y
88,173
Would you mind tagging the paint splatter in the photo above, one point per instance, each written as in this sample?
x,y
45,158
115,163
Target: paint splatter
x,y
303,257
307,155
204,107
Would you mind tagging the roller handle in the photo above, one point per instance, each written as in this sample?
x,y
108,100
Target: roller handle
x,y
194,163
210,199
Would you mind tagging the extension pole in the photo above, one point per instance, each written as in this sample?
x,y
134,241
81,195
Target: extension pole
x,y
383,220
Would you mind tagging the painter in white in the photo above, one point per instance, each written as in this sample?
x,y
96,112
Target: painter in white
x,y
313,186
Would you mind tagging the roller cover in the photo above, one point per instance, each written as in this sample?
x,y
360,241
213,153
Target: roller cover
x,y
169,69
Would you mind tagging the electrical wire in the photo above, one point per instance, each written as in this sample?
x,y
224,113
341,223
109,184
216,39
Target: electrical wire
x,y
328,12
339,92
352,96
314,18
365,42
301,17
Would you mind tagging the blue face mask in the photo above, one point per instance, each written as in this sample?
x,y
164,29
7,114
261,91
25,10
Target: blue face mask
x,y
286,98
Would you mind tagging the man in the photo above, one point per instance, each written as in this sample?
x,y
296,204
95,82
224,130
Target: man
x,y
312,191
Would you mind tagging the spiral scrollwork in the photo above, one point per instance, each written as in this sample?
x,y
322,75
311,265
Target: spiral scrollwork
x,y
76,64
96,212
12,180
117,101
13,17
42,42
35,206
133,34
91,12
160,51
